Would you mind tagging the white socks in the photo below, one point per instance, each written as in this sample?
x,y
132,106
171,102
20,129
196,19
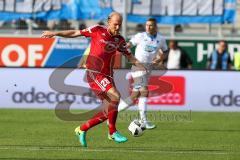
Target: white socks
x,y
124,104
142,105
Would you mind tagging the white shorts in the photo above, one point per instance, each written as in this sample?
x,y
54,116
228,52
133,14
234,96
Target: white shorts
x,y
140,78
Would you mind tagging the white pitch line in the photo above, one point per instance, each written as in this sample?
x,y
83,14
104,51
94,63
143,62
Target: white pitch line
x,y
112,150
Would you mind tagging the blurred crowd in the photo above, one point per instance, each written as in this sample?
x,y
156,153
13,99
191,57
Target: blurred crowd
x,y
219,59
37,24
178,58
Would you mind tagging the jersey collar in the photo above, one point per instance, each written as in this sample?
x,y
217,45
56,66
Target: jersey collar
x,y
151,36
111,34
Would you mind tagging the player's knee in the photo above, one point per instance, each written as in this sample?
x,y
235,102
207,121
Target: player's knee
x,y
144,93
115,97
135,94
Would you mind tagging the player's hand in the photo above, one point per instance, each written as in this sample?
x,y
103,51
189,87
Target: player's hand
x,y
47,34
143,69
154,63
158,65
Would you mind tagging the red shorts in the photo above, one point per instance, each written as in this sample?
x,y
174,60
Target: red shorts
x,y
99,83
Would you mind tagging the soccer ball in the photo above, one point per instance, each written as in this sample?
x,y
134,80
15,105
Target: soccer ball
x,y
136,128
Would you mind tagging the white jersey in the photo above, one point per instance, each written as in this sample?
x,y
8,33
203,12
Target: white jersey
x,y
147,46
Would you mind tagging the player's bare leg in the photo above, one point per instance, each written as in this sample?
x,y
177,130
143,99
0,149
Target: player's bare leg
x,y
113,99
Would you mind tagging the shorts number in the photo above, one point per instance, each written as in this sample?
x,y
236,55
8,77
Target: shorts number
x,y
105,82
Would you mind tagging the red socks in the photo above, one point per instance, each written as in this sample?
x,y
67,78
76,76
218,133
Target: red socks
x,y
101,117
97,119
112,117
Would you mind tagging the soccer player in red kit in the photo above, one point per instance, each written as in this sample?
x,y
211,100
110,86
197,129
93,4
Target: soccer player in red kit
x,y
105,42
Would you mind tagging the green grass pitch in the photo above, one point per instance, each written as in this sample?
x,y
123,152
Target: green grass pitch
x,y
39,134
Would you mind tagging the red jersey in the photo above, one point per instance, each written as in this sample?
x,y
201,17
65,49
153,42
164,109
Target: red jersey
x,y
103,49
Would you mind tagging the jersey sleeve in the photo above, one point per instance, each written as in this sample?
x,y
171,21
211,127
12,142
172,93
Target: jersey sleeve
x,y
90,31
123,48
136,39
164,46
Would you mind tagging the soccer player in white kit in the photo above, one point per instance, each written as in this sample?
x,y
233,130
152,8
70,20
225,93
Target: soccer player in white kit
x,y
151,49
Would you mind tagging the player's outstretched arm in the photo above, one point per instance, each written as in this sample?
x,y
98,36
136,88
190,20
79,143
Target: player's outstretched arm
x,y
160,58
66,34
